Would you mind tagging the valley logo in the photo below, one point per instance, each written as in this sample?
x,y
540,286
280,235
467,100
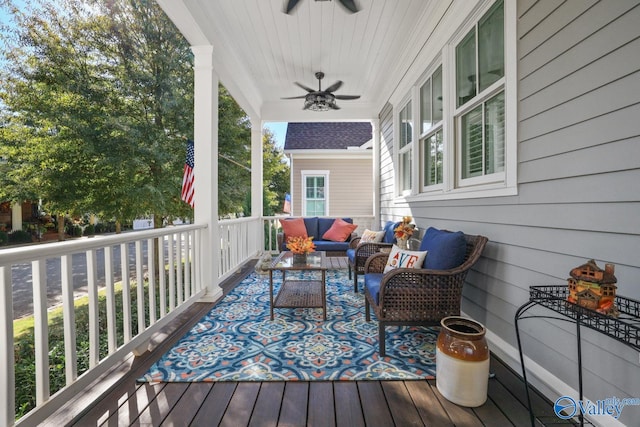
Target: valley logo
x,y
566,407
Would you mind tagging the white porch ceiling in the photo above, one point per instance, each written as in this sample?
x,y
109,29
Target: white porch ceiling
x,y
259,51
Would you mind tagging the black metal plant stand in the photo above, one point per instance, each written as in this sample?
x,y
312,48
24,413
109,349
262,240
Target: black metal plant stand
x,y
624,328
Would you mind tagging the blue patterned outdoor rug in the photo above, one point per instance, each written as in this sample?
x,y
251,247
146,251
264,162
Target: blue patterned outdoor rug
x,y
236,341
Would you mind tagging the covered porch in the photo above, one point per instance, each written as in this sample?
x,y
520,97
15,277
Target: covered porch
x,y
560,191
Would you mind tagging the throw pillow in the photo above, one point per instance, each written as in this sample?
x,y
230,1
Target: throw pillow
x,y
447,249
293,227
339,231
402,258
372,236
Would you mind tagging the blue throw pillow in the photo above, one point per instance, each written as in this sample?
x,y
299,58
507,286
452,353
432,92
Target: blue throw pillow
x,y
445,249
311,224
389,237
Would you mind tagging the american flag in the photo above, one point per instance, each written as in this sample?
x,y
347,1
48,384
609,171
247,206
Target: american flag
x,y
187,178
287,203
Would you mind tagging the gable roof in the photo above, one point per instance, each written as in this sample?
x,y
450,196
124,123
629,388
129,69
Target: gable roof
x,y
326,135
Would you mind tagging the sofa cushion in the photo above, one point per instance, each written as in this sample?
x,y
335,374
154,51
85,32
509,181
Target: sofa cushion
x,y
371,236
324,224
340,231
311,224
402,258
327,245
293,227
372,283
446,249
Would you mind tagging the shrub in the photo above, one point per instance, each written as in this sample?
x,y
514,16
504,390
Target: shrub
x,y
20,236
73,230
4,238
89,230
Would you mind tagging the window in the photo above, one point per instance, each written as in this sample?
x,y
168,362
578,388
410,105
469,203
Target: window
x,y
466,127
480,99
405,147
315,194
431,141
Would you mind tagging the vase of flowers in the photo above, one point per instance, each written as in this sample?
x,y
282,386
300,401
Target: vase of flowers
x,y
404,231
300,247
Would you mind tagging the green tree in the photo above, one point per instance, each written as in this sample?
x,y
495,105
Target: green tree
x,y
276,174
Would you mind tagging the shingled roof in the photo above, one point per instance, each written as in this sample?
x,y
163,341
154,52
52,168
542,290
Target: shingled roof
x,y
326,135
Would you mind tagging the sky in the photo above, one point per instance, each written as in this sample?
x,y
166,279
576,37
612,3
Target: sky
x,y
279,130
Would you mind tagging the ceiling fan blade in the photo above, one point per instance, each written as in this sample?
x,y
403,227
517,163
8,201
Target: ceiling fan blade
x,y
300,85
295,97
290,5
350,5
334,106
347,96
334,86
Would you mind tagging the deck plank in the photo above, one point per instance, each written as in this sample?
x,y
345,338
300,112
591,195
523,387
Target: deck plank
x,y
215,405
241,406
371,397
347,404
427,404
460,415
321,406
294,404
161,405
188,405
267,409
401,404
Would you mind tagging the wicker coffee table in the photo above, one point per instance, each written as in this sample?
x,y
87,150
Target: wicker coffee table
x,y
296,292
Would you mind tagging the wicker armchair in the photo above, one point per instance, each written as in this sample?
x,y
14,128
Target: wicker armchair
x,y
358,252
409,296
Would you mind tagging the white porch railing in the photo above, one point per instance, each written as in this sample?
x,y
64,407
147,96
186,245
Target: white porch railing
x,y
179,249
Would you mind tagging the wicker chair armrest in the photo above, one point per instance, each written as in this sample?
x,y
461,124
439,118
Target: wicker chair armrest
x,y
376,263
420,294
354,242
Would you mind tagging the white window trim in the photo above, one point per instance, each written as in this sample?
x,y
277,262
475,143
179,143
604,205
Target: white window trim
x,y
450,190
435,127
409,148
303,186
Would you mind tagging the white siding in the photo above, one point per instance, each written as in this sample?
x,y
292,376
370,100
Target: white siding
x,y
578,193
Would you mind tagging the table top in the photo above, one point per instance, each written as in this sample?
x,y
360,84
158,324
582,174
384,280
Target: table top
x,y
284,261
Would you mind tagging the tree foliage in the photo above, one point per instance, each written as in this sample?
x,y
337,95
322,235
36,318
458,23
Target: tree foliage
x,y
96,101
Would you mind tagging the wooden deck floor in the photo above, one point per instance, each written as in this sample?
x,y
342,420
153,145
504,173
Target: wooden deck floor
x,y
321,403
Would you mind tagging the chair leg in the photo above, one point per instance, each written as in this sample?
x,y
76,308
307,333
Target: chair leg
x,y
383,350
355,280
367,310
349,265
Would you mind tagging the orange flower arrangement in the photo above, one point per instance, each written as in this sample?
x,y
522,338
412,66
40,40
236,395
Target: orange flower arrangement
x,y
405,229
300,245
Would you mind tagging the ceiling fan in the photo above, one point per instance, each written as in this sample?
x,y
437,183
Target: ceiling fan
x,y
350,5
321,100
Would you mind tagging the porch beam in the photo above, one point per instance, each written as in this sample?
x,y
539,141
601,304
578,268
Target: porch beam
x,y
206,166
375,133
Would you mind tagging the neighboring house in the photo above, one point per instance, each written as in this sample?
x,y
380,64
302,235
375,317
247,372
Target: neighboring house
x,y
13,215
331,168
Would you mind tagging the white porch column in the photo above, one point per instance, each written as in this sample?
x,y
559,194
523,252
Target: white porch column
x,y
256,169
206,166
16,216
375,131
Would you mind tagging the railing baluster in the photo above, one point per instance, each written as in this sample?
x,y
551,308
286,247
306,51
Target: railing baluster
x,y
8,380
151,274
140,287
187,266
179,279
111,303
161,276
126,292
41,329
172,282
94,321
69,319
